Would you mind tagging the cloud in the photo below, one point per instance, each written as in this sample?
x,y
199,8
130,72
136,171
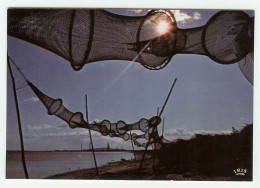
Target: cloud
x,y
212,132
80,134
71,132
137,10
173,134
62,125
68,140
181,16
31,136
184,17
197,16
97,120
46,127
178,133
40,127
64,134
32,99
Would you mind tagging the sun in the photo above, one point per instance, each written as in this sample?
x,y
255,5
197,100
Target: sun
x,y
163,27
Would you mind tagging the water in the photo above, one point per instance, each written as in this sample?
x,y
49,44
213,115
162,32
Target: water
x,y
43,164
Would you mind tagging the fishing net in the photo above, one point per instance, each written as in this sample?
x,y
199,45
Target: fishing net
x,y
55,107
246,66
119,129
83,36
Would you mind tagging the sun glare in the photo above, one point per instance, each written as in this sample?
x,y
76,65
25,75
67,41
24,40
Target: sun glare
x,y
163,28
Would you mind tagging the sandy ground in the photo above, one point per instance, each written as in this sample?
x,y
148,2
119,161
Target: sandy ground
x,y
129,170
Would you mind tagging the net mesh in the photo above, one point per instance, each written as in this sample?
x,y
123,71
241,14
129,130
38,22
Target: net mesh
x,y
119,129
226,37
83,36
55,107
246,66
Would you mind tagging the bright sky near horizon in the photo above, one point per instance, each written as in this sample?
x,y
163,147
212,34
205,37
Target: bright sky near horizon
x,y
208,97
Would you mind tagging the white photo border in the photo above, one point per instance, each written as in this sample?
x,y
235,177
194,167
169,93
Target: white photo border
x,y
183,4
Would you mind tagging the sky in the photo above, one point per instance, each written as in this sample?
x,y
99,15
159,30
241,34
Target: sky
x,y
208,97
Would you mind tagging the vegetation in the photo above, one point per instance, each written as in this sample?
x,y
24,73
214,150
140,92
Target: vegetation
x,y
211,155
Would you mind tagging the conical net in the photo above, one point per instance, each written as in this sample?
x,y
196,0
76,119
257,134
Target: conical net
x,y
119,129
83,36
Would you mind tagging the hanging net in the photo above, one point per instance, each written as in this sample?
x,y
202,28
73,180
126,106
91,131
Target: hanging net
x,y
55,107
246,66
119,129
83,36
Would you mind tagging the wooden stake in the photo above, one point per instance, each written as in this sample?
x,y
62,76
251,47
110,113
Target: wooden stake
x,y
154,128
91,141
132,143
19,119
163,126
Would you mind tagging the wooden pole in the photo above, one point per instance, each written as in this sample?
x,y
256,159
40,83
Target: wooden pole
x,y
154,128
19,120
163,126
156,132
90,136
132,143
